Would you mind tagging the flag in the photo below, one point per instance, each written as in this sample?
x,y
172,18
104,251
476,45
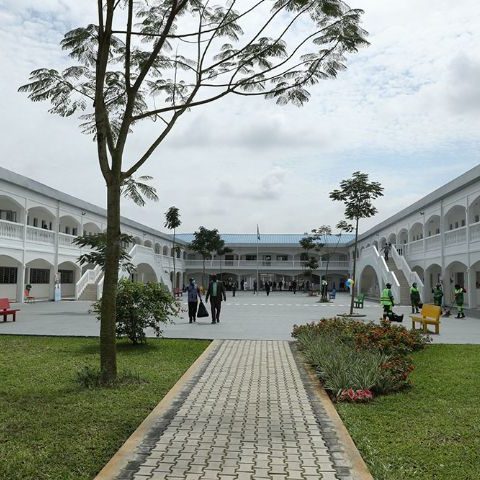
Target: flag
x,y
258,233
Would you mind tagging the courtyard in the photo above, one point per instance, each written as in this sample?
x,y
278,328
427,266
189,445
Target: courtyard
x,y
244,317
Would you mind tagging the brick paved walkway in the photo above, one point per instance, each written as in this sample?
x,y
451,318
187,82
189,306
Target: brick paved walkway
x,y
248,416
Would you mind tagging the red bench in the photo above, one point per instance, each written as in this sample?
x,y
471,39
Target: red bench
x,y
5,309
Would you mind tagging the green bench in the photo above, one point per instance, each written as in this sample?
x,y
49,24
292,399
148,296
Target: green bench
x,y
358,302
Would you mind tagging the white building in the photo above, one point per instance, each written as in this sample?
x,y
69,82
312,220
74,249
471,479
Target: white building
x,y
37,226
436,239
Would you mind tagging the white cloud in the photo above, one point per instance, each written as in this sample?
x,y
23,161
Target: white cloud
x,y
406,108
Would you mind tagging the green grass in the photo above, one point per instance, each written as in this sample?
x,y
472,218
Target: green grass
x,y
51,428
431,431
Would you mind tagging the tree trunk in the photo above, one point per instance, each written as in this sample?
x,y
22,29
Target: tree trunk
x,y
174,286
354,268
108,353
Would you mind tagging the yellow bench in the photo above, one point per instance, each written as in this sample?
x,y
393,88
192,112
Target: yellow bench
x,y
430,315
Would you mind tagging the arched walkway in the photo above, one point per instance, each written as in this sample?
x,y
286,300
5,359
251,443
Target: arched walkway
x,y
433,275
10,278
369,283
69,225
40,275
420,272
11,210
455,218
144,273
455,273
69,276
91,228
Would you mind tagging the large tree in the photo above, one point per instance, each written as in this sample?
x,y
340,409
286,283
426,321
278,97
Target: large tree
x,y
357,193
172,222
206,242
157,59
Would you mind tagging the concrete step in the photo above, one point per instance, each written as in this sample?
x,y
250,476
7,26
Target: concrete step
x,y
89,293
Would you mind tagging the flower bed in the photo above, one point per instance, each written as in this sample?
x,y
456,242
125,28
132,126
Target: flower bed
x,y
356,360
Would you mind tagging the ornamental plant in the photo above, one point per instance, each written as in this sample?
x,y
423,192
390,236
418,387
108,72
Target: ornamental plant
x,y
352,356
141,306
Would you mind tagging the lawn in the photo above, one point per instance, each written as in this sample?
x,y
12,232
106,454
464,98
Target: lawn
x,y
431,431
51,427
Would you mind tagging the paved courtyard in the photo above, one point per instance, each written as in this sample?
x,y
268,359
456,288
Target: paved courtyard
x,y
246,317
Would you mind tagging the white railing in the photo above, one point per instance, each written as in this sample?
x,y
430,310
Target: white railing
x,y
433,242
90,276
475,232
454,237
66,240
415,247
11,230
410,275
370,256
273,264
35,234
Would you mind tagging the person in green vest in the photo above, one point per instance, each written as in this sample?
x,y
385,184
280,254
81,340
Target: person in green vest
x,y
458,293
386,299
414,298
437,295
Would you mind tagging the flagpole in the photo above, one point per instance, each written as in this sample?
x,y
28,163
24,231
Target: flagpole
x,y
258,240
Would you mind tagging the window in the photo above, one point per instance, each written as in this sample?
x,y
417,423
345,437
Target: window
x,y
40,275
250,257
35,222
477,218
456,224
8,274
437,231
50,226
66,276
451,227
67,230
282,258
8,215
74,231
463,223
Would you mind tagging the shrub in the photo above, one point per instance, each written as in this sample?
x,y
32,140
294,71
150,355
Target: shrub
x,y
352,356
141,306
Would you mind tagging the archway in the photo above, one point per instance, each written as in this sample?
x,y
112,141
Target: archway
x,y
10,278
68,225
416,232
91,228
392,238
137,240
39,274
455,273
402,237
69,276
455,218
432,276
369,283
158,249
144,273
382,242
432,226
40,217
148,244
11,210
419,270
474,283
165,250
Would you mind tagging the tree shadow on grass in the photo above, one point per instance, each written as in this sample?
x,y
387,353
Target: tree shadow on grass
x,y
123,346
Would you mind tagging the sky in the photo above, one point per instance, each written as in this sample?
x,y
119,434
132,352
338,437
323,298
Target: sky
x,y
406,111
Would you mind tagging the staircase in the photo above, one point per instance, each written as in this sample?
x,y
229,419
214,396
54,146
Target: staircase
x,y
402,280
89,293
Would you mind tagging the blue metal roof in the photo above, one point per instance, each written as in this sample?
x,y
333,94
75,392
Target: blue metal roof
x,y
268,238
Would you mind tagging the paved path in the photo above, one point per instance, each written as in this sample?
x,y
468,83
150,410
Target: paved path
x,y
248,416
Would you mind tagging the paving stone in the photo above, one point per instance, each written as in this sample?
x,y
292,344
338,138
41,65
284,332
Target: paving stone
x,y
247,417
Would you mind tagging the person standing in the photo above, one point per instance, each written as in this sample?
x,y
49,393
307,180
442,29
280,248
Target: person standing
x,y
267,288
216,292
294,287
386,250
437,295
388,303
234,287
255,287
193,294
414,298
459,298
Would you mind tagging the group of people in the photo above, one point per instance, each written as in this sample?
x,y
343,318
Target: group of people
x,y
216,294
387,301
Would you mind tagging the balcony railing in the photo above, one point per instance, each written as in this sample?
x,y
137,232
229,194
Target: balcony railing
x,y
433,242
66,240
415,247
11,230
475,232
263,264
40,235
453,237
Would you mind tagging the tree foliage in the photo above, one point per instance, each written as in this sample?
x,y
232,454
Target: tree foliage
x,y
97,243
154,60
357,194
141,306
205,243
136,190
